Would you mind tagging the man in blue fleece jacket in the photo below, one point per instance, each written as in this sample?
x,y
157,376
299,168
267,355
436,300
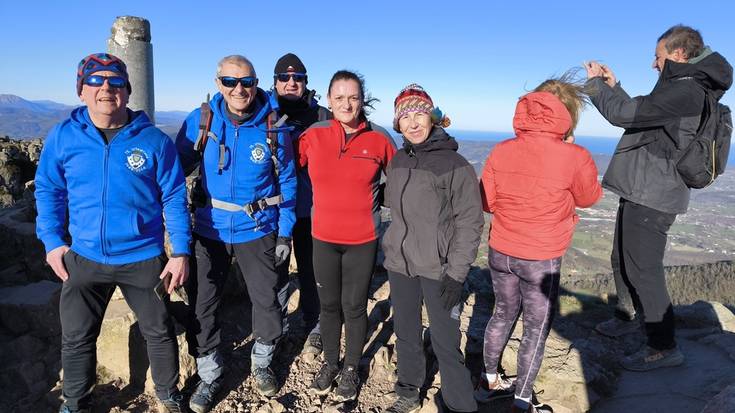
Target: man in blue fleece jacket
x,y
249,191
114,175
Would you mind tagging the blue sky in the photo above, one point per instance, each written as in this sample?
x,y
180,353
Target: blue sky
x,y
474,57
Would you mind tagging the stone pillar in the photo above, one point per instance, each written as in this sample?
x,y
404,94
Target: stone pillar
x,y
130,40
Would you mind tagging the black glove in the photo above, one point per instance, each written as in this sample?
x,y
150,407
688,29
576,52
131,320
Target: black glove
x,y
283,248
451,292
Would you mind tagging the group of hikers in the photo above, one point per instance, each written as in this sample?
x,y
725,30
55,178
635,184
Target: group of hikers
x,y
277,171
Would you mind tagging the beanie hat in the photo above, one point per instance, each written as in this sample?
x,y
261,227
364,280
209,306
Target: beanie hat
x,y
98,62
413,98
289,63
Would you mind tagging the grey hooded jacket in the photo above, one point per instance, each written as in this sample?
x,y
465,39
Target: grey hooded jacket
x,y
436,210
658,128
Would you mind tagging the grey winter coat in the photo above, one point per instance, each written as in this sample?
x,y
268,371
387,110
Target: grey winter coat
x,y
436,210
658,128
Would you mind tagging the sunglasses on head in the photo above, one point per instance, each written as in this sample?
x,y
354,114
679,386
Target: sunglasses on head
x,y
246,82
117,82
285,77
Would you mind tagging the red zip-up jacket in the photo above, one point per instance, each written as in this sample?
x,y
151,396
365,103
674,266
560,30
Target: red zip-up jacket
x,y
345,178
533,182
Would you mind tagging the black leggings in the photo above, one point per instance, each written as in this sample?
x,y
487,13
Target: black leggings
x,y
343,274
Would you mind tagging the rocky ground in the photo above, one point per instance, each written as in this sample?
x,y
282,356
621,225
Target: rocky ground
x,y
579,374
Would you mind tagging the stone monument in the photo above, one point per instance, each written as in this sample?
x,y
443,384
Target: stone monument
x,y
130,40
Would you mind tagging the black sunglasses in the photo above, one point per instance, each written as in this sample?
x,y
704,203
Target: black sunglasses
x,y
117,82
246,82
285,77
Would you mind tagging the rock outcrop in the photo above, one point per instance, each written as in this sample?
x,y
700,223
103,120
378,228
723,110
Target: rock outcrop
x,y
121,350
18,161
723,402
30,344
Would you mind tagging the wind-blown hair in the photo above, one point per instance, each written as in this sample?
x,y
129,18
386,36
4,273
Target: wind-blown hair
x,y
571,91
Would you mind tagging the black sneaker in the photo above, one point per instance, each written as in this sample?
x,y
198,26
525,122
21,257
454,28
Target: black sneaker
x,y
323,380
405,405
265,381
203,397
174,403
532,408
66,409
347,384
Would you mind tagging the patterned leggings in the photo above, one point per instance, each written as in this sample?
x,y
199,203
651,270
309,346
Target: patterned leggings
x,y
533,285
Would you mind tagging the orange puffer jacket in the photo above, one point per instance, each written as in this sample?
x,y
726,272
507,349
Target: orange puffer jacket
x,y
533,182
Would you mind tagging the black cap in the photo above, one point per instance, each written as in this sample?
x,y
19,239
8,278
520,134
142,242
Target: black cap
x,y
287,62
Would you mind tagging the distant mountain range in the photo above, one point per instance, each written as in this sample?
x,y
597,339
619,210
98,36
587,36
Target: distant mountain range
x,y
28,119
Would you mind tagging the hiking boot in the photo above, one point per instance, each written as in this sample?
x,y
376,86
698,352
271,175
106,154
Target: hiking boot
x,y
501,388
174,403
347,384
648,358
203,397
405,405
313,344
324,379
616,327
265,381
66,409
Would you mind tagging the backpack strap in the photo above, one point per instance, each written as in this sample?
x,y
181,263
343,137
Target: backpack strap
x,y
205,124
272,137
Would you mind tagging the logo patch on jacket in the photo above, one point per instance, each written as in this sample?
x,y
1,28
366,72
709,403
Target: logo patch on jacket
x,y
257,153
136,159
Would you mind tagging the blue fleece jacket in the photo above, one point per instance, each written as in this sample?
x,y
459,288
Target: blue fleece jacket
x,y
116,193
247,175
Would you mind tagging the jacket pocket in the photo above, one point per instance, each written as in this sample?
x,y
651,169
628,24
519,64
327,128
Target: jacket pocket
x,y
421,251
122,232
135,223
391,243
442,244
84,227
367,158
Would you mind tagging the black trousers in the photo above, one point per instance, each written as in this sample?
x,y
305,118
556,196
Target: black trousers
x,y
407,295
303,250
343,274
212,260
84,299
637,259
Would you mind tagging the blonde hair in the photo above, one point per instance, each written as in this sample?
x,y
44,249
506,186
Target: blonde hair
x,y
571,91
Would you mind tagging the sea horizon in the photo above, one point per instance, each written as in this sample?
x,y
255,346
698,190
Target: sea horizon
x,y
604,145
